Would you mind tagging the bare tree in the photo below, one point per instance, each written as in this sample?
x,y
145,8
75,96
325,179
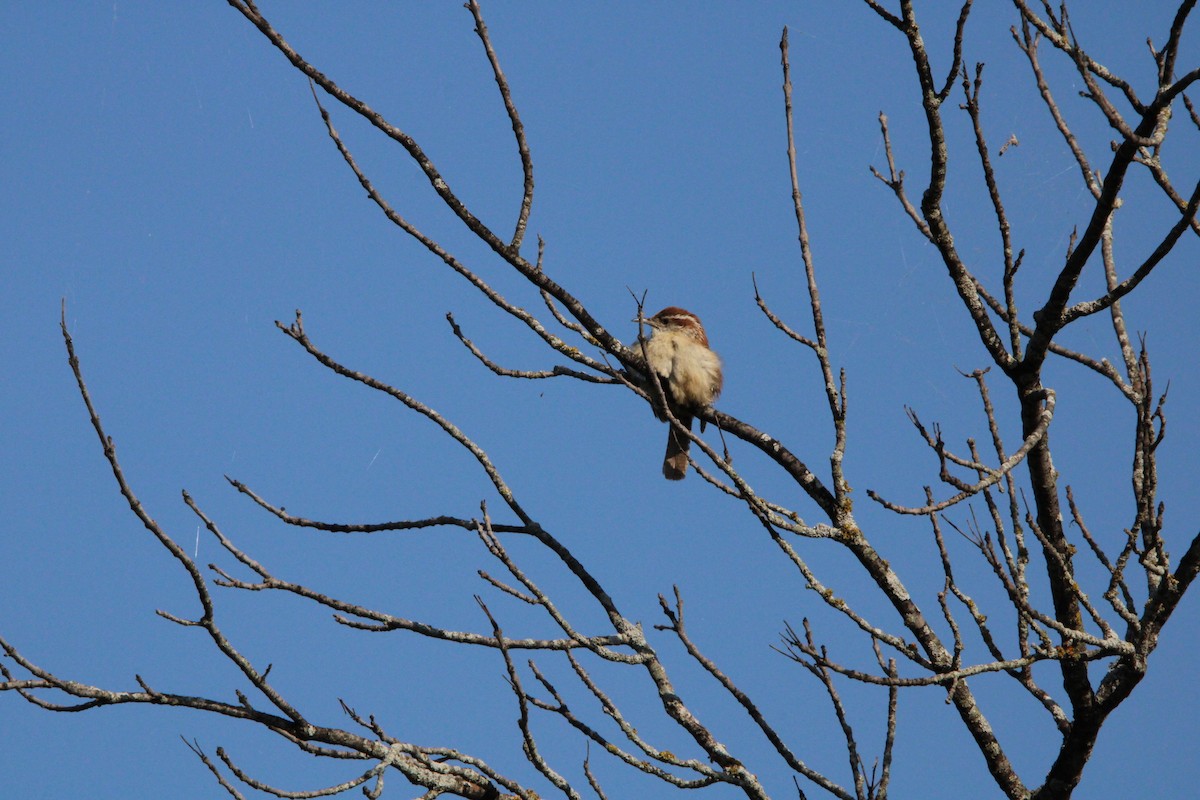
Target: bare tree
x,y
1022,509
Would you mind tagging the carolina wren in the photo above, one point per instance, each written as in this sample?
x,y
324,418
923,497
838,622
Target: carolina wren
x,y
690,374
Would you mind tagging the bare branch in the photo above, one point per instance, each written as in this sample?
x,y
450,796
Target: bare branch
x,y
931,201
676,626
1126,286
557,371
495,297
369,527
956,64
994,476
895,181
296,332
989,177
530,748
517,126
194,746
834,398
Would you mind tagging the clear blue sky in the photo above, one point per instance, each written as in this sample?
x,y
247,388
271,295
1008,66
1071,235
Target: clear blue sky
x,y
166,173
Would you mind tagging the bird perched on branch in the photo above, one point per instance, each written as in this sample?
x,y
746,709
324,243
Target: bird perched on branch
x,y
690,374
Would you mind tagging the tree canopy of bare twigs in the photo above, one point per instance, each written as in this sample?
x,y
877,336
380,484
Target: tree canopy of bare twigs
x,y
983,571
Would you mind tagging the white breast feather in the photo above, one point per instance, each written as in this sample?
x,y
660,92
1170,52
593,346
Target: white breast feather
x,y
692,370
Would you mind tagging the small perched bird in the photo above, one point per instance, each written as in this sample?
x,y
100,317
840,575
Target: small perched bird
x,y
690,373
